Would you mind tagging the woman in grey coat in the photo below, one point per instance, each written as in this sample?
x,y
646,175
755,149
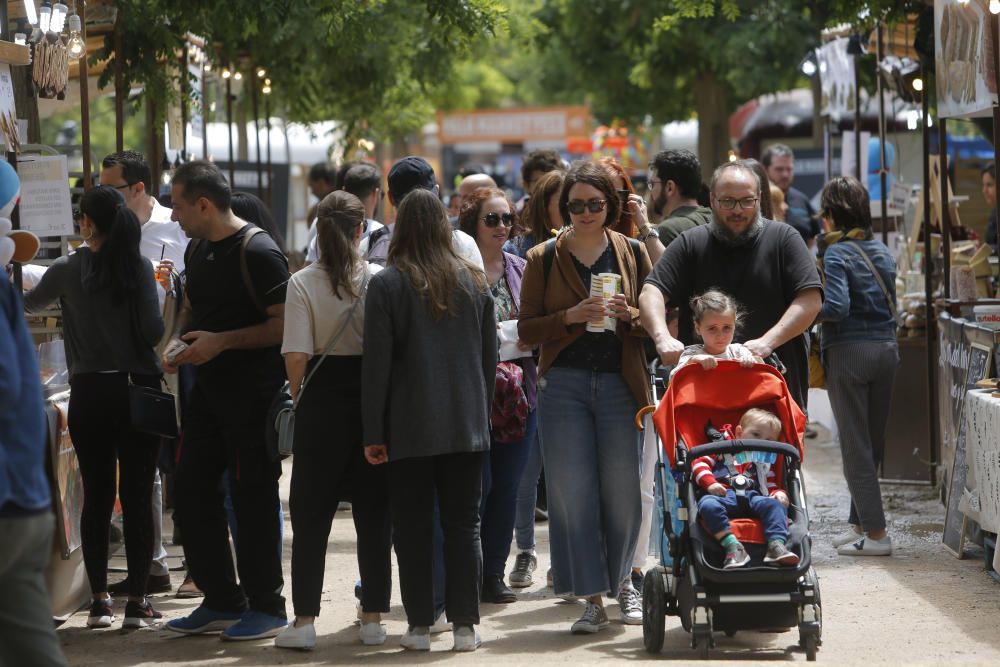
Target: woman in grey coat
x,y
428,376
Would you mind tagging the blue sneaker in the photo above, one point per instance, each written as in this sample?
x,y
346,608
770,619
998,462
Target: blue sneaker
x,y
254,625
204,620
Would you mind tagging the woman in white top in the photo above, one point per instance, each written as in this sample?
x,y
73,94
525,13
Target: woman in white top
x,y
324,313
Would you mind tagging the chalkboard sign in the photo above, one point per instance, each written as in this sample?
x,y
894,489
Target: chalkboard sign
x,y
955,521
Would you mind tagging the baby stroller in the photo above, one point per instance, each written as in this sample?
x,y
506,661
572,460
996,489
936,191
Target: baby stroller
x,y
695,586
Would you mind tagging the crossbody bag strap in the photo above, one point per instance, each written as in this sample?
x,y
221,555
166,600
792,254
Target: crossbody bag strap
x,y
335,338
878,279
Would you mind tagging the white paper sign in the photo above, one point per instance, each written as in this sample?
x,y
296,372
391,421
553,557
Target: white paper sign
x,y
45,203
848,159
508,342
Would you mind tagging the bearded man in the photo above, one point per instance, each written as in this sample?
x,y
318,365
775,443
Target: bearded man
x,y
763,264
674,183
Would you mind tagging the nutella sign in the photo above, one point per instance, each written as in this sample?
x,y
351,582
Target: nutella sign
x,y
514,125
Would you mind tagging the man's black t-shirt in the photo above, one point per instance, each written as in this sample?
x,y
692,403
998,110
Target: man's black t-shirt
x,y
220,301
763,276
801,215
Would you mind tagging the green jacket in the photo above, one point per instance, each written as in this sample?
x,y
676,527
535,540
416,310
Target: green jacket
x,y
681,220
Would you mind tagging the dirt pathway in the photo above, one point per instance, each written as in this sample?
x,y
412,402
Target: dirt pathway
x,y
922,606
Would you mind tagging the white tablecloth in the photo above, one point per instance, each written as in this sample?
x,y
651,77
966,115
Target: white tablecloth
x,y
981,499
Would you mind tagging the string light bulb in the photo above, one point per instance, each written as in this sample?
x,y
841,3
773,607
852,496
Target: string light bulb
x,y
45,16
76,46
208,67
238,76
226,74
261,72
59,12
266,89
994,6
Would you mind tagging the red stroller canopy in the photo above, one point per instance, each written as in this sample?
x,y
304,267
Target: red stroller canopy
x,y
696,396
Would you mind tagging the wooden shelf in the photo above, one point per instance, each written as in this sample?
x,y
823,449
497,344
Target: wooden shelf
x,y
14,54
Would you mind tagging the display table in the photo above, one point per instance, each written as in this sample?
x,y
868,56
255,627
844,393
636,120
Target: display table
x,y
981,496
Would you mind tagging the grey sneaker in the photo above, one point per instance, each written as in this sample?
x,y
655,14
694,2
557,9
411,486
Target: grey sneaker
x,y
630,604
594,618
734,559
524,565
778,554
549,580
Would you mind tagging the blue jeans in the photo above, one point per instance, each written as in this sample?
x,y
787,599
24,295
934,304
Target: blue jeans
x,y
502,471
591,451
527,498
716,511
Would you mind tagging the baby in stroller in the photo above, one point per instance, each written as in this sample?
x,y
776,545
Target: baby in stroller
x,y
748,489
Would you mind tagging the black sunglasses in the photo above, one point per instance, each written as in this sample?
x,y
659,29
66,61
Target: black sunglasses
x,y
494,219
577,206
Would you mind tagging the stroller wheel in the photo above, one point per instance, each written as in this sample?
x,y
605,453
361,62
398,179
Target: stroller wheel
x,y
810,646
654,608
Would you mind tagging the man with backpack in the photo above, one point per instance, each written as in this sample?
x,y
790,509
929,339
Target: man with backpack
x,y
230,327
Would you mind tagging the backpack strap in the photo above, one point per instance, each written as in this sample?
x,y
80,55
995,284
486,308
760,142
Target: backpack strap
x,y
245,269
548,256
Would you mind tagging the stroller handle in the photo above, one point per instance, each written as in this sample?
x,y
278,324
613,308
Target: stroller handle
x,y
740,445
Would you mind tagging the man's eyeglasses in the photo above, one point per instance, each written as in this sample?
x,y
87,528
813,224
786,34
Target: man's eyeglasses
x,y
653,184
577,206
126,186
728,203
494,219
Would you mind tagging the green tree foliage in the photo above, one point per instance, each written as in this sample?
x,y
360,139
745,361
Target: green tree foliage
x,y
371,64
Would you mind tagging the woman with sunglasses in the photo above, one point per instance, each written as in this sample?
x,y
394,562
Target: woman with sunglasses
x,y
487,216
111,319
593,380
633,222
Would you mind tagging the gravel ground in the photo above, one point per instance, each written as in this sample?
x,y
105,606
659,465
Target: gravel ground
x,y
922,606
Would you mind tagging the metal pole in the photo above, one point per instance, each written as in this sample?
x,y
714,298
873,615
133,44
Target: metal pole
x,y
229,126
270,165
827,150
256,126
204,113
944,203
857,118
185,100
88,177
931,330
995,25
120,92
881,140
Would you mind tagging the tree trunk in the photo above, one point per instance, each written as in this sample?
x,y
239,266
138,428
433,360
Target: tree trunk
x,y
712,107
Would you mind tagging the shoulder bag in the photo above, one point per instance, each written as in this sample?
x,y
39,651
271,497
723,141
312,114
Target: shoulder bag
x,y
281,416
151,410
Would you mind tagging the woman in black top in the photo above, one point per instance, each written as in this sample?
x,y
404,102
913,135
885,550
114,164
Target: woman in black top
x,y
428,376
111,322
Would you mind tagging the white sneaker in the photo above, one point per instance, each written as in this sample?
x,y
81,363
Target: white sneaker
x,y
417,639
630,604
466,639
440,625
594,618
302,637
372,634
866,546
847,537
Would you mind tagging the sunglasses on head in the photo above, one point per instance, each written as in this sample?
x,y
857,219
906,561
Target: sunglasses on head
x,y
494,219
577,206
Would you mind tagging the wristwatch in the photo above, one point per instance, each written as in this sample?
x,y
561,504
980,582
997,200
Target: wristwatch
x,y
646,231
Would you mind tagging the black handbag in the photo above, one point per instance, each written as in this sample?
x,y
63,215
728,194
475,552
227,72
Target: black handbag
x,y
152,411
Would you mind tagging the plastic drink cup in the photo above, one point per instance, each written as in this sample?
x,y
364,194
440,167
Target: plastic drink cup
x,y
611,284
596,289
